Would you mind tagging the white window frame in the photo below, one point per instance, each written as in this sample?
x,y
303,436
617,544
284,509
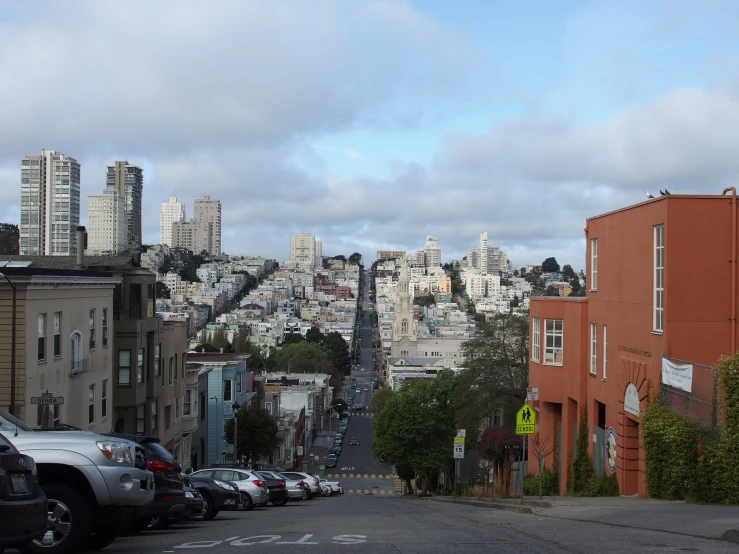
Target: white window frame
x,y
57,340
658,300
593,348
187,404
231,395
41,343
550,352
104,399
535,339
92,329
605,351
91,404
593,264
105,327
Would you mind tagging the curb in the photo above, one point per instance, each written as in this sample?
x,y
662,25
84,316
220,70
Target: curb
x,y
484,504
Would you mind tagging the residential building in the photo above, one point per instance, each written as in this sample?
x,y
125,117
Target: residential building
x,y
169,213
432,252
128,180
196,236
305,251
107,232
643,321
484,254
390,254
9,238
208,215
196,406
50,204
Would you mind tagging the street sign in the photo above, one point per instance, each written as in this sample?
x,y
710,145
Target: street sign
x,y
461,433
458,447
532,393
47,399
525,420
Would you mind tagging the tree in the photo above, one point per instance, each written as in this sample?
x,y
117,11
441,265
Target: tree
x,y
205,347
335,343
219,339
581,466
373,318
355,258
314,335
257,432
576,286
162,291
497,445
568,272
241,344
306,357
515,302
292,338
340,257
340,405
425,300
551,291
416,425
550,265
380,399
541,447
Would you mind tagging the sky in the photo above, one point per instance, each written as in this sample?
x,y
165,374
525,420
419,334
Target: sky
x,y
372,124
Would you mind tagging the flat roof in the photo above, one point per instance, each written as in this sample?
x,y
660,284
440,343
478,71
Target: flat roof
x,y
662,198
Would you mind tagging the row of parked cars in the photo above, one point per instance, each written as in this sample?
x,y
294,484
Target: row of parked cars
x,y
65,490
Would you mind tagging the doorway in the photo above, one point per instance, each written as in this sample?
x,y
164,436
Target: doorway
x,y
630,457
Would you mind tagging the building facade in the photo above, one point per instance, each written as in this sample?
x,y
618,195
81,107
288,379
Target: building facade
x,y
9,239
644,321
106,235
208,214
305,251
50,204
390,254
169,213
432,252
128,180
193,235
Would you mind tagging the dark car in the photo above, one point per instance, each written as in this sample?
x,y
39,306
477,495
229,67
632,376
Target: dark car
x,y
193,504
278,494
331,460
23,514
336,450
169,490
354,441
217,495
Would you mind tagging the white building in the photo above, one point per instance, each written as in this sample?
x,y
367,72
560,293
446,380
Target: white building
x,y
482,286
106,232
432,252
50,204
169,212
484,253
208,211
306,251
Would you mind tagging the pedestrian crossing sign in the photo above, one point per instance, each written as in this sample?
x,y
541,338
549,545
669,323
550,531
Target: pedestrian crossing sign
x,y
526,420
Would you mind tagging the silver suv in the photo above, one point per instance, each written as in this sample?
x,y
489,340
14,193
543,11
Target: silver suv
x,y
254,490
307,478
90,482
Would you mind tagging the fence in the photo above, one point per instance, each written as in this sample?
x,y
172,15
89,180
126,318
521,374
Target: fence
x,y
701,403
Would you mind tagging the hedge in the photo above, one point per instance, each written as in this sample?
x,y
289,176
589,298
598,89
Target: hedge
x,y
549,484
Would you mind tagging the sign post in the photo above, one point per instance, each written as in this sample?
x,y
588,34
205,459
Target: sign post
x,y
458,454
525,425
47,399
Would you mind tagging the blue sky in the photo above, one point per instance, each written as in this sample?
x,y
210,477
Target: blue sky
x,y
372,124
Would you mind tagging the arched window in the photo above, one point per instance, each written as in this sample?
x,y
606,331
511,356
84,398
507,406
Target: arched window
x,y
404,327
75,352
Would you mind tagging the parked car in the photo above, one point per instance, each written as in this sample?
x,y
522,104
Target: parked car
x,y
336,450
217,495
277,489
193,504
169,490
308,478
81,474
325,489
331,460
354,441
22,502
297,489
254,491
334,485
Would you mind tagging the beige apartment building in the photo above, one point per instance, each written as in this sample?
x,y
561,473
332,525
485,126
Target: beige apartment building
x,y
208,213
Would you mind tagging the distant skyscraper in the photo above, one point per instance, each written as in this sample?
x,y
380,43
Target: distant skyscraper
x,y
209,211
432,252
484,253
50,204
107,232
169,213
128,180
305,251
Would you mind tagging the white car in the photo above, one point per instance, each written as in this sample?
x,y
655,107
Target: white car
x,y
254,491
334,485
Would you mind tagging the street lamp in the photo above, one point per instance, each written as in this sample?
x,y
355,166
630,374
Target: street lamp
x,y
12,348
214,397
235,407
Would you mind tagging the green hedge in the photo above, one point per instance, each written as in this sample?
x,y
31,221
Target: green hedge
x,y
580,468
549,484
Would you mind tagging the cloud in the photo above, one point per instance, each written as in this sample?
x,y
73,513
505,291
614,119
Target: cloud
x,y
348,152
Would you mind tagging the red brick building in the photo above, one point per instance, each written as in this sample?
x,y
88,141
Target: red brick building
x,y
661,283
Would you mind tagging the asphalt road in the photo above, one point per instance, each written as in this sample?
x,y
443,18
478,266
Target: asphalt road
x,y
377,524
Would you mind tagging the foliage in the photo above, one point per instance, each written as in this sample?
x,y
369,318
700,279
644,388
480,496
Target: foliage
x,y
568,272
515,303
335,343
292,338
605,485
551,291
581,466
241,344
219,339
355,258
373,318
417,425
340,405
495,444
192,263
425,300
306,357
314,335
549,484
205,347
380,398
162,291
550,265
257,432
576,286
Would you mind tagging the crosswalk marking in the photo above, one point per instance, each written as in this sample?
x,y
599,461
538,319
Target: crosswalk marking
x,y
359,476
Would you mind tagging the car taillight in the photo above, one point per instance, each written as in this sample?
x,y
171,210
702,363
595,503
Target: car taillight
x,y
258,483
281,484
160,467
300,484
338,484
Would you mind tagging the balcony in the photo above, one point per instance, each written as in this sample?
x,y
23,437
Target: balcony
x,y
77,367
189,424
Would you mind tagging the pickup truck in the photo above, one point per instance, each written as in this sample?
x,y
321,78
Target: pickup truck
x,y
90,481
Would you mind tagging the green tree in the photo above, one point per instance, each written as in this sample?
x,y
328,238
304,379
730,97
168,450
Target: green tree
x,y
241,344
576,286
306,357
162,291
551,291
416,425
373,318
340,405
257,433
568,272
581,466
355,258
218,340
292,338
515,302
380,398
336,344
425,300
314,335
550,265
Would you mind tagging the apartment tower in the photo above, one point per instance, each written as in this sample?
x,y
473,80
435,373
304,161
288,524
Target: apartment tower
x,y
209,211
107,232
484,252
50,204
169,213
128,180
306,251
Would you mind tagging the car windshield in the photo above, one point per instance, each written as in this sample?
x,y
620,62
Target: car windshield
x,y
159,450
9,423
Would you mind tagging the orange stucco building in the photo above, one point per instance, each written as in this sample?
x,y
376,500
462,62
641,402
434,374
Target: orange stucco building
x,y
661,281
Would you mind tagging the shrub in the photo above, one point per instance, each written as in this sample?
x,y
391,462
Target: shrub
x,y
580,468
549,484
603,486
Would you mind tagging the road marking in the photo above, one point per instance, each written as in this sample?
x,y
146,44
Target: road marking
x,y
232,538
303,540
366,491
243,542
373,476
350,492
343,475
366,476
351,476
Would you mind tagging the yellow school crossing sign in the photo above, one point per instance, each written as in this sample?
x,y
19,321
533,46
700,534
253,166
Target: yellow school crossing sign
x,y
526,420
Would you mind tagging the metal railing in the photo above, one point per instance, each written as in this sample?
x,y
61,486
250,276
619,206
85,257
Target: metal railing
x,y
76,367
702,403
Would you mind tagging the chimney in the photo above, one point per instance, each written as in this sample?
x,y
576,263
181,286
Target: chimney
x,y
80,247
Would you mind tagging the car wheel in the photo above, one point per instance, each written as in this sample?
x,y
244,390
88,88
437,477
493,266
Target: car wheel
x,y
280,502
159,522
209,508
102,537
309,495
247,501
69,522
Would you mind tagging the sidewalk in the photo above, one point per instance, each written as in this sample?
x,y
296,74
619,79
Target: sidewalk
x,y
680,518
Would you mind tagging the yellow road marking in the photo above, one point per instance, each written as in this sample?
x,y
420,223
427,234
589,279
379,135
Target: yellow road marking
x,y
343,475
366,491
351,476
373,476
350,492
366,476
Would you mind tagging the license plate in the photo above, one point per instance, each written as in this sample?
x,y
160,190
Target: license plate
x,y
19,483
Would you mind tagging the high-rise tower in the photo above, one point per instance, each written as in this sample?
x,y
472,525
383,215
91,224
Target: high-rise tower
x,y
128,180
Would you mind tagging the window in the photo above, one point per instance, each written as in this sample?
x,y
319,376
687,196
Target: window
x,y
124,367
202,406
228,389
154,415
194,397
134,301
183,360
176,409
41,337
605,356
91,404
92,329
140,418
57,334
54,414
187,406
175,367
268,406
238,382
535,339
553,335
157,359
593,264
105,327
593,348
659,278
171,369
140,366
167,417
498,417
104,399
